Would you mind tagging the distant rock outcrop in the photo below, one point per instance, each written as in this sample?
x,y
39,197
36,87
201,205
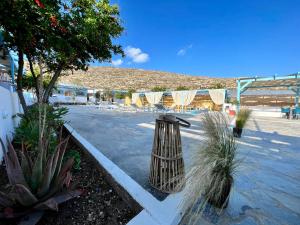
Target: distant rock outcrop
x,y
124,79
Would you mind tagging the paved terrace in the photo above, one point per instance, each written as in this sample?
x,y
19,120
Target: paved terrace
x,y
267,185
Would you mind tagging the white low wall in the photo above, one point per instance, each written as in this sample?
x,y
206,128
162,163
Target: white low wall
x,y
57,98
9,107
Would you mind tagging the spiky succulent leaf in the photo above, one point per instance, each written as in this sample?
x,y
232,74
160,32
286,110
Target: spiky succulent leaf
x,y
67,166
56,155
13,167
46,181
63,178
62,151
49,204
37,171
58,199
47,178
5,201
68,179
26,165
67,195
24,196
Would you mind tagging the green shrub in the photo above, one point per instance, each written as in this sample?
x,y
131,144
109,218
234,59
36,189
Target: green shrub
x,y
98,95
182,88
217,86
119,95
29,81
53,115
76,156
157,89
28,130
129,93
242,118
234,102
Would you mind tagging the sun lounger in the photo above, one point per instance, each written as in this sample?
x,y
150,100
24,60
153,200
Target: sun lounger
x,y
162,108
136,108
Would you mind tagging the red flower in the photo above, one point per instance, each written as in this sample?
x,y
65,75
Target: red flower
x,y
62,29
53,20
39,4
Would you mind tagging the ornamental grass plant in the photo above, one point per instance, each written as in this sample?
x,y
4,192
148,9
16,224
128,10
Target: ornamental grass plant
x,y
242,117
211,177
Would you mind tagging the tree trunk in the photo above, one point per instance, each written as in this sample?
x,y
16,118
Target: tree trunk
x,y
51,85
19,81
35,79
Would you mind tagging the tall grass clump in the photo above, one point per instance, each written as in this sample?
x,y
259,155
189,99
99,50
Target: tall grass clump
x,y
242,118
210,180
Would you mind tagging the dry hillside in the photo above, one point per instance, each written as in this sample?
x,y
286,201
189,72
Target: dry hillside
x,y
123,79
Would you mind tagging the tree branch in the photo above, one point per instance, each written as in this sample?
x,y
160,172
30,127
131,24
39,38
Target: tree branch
x,y
51,84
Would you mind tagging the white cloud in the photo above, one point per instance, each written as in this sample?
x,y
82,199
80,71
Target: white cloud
x,y
136,54
184,50
181,52
117,62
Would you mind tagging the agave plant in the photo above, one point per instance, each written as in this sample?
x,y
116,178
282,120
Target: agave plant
x,y
210,179
36,184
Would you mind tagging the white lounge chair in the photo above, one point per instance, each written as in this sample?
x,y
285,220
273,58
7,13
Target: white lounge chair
x,y
162,108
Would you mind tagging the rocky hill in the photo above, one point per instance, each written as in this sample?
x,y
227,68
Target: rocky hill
x,y
124,79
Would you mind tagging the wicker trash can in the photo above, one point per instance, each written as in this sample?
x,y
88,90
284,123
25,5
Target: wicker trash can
x,y
167,166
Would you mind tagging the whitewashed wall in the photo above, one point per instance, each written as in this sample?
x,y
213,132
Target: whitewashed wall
x,y
9,107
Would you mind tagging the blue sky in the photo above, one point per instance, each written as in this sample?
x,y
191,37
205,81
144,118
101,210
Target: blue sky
x,y
217,38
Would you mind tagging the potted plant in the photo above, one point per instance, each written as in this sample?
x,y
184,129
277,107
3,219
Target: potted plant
x,y
241,120
219,159
210,179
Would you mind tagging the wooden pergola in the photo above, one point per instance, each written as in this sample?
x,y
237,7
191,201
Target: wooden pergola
x,y
291,82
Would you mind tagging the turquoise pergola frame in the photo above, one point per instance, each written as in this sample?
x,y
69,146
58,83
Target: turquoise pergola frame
x,y
243,84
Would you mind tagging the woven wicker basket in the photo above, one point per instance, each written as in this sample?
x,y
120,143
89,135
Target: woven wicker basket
x,y
167,165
